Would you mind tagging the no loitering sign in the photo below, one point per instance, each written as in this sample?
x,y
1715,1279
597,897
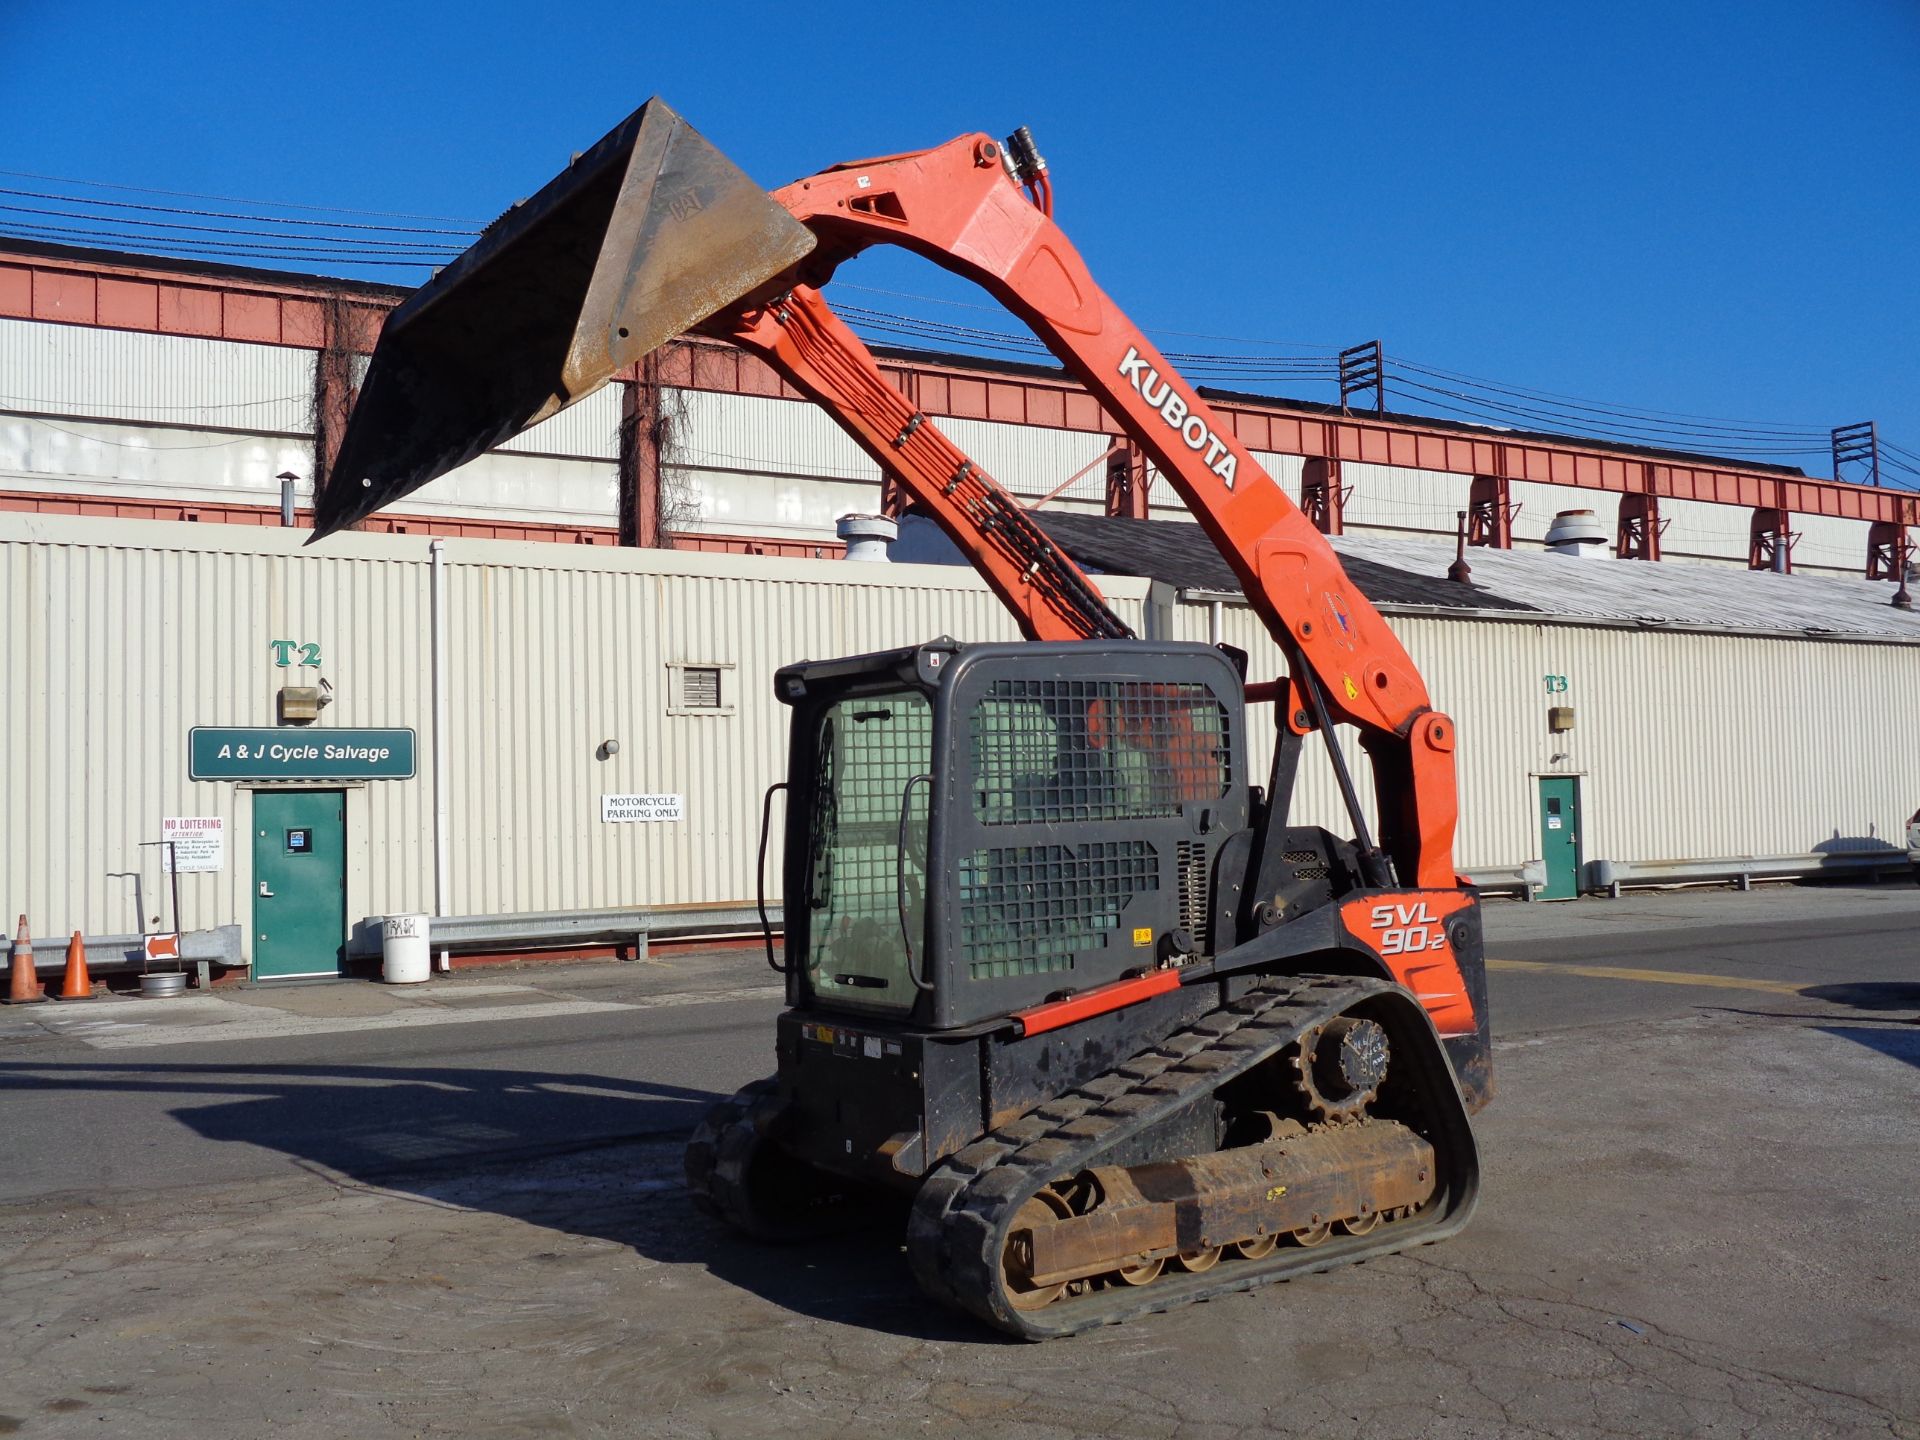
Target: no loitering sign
x,y
195,843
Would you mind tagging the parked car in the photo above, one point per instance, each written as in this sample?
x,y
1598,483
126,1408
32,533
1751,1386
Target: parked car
x,y
1913,844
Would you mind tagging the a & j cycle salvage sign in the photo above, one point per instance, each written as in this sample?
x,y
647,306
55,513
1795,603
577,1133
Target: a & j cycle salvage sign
x,y
219,753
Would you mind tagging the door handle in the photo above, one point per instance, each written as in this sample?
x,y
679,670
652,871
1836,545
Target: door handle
x,y
900,881
766,925
265,894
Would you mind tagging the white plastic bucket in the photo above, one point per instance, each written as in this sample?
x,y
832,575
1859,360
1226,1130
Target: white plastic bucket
x,y
404,956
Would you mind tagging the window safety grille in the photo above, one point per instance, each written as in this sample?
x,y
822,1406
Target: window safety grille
x,y
1029,909
1053,751
700,687
869,748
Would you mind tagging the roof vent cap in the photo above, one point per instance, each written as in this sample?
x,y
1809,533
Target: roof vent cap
x,y
867,536
1572,531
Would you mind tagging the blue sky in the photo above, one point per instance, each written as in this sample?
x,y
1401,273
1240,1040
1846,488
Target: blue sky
x,y
1700,208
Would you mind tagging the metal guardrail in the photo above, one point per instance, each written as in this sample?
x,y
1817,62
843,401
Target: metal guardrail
x,y
1521,880
1613,876
564,929
111,953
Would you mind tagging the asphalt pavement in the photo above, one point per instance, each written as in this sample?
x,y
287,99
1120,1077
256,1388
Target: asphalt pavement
x,y
367,1079
345,1209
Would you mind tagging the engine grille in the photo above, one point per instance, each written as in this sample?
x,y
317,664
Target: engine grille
x,y
1193,894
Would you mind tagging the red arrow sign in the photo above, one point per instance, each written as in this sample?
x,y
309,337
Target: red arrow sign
x,y
162,947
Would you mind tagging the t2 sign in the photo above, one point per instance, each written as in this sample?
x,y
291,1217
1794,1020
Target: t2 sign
x,y
284,650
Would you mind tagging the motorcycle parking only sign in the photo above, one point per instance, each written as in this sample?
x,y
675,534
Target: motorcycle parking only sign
x,y
616,808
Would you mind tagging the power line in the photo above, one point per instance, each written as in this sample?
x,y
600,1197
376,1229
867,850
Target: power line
x,y
376,246
30,400
228,215
1000,310
205,249
1476,405
1231,366
1671,414
447,252
236,200
1651,417
1498,403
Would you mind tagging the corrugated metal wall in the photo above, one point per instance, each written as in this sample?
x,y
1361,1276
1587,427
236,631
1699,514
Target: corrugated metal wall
x,y
1031,460
161,379
120,636
217,420
1688,745
150,413
563,471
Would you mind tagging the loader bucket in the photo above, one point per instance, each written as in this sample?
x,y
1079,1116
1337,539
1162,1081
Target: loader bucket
x,y
644,236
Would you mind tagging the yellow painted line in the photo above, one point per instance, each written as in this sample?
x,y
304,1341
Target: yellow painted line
x,y
1658,977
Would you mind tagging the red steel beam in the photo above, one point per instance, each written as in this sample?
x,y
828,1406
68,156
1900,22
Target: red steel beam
x,y
955,392
31,502
268,308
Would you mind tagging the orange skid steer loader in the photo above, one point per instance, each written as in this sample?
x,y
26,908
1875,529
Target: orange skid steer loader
x,y
1057,968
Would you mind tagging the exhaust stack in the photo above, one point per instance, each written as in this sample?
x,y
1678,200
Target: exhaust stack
x,y
643,237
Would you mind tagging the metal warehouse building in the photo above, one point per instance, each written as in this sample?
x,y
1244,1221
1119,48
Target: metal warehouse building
x,y
1737,722
549,678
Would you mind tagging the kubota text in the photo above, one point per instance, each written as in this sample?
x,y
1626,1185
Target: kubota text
x,y
1191,428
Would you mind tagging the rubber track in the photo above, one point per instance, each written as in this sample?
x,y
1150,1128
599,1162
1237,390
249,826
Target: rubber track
x,y
731,1139
960,1220
717,1194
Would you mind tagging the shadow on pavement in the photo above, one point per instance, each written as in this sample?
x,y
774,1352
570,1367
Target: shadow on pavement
x,y
581,1154
1869,994
1896,1044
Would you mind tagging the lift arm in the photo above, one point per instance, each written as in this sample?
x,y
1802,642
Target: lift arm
x,y
653,232
812,349
963,206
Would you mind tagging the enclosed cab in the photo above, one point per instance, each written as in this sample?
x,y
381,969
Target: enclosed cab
x,y
974,831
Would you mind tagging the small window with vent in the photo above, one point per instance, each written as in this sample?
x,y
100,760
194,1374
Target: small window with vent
x,y
699,688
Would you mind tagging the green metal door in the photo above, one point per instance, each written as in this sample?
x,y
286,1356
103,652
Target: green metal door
x,y
300,882
1560,836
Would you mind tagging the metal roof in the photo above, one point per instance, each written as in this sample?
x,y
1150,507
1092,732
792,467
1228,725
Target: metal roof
x,y
1667,592
1412,573
1178,552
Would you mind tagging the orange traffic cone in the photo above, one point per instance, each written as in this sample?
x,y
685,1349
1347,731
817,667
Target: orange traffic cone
x,y
78,985
23,986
